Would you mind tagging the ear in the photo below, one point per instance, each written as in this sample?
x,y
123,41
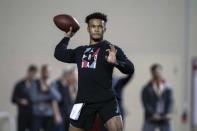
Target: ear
x,y
105,29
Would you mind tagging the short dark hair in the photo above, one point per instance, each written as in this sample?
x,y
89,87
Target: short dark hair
x,y
155,66
96,15
32,68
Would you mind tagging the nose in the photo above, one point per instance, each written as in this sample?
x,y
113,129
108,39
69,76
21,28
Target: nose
x,y
97,29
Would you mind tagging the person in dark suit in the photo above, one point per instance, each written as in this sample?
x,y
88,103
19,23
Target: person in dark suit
x,y
21,97
157,101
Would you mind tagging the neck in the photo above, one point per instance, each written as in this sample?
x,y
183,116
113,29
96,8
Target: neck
x,y
157,82
93,42
28,79
44,80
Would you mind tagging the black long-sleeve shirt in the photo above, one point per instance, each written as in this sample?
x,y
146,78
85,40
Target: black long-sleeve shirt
x,y
94,72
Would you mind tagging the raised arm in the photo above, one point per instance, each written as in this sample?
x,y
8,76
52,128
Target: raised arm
x,y
62,53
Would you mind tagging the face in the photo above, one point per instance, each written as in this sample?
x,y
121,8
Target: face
x,y
32,75
96,29
45,73
157,74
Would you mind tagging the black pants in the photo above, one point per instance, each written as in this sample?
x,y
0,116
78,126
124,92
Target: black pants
x,y
46,123
24,122
120,104
106,110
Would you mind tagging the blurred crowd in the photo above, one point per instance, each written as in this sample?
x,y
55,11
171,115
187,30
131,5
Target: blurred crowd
x,y
45,106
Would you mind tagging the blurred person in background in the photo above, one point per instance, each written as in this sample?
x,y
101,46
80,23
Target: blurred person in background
x,y
21,97
67,87
157,101
118,85
42,97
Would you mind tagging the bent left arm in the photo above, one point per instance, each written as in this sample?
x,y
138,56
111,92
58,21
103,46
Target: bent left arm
x,y
123,63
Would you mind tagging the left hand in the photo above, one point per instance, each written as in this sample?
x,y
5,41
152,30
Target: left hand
x,y
111,58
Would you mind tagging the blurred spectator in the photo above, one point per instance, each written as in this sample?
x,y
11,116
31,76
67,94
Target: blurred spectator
x,y
118,84
21,97
42,97
67,87
157,102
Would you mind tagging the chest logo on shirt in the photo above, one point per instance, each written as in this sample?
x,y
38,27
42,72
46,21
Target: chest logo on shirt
x,y
89,58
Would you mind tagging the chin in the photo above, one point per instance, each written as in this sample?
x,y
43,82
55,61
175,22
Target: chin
x,y
97,38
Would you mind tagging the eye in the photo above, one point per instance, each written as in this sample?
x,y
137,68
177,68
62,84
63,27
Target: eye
x,y
93,26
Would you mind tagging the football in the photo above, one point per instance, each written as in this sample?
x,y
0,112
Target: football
x,y
65,21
